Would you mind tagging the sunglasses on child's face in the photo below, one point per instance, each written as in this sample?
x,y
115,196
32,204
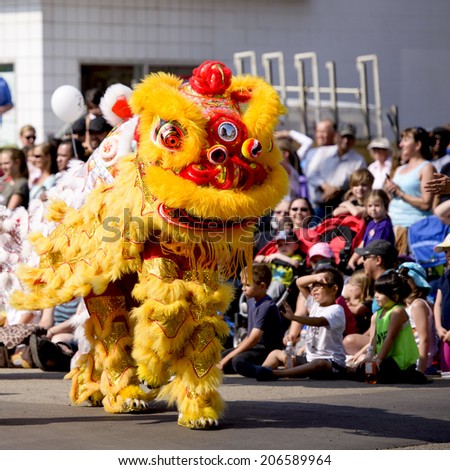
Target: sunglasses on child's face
x,y
319,285
301,209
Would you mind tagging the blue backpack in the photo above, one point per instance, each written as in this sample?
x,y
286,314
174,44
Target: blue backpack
x,y
423,236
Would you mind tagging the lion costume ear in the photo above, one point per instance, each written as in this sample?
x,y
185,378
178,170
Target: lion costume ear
x,y
154,88
114,104
259,103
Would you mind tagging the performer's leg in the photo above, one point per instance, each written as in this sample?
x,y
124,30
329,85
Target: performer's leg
x,y
108,372
197,377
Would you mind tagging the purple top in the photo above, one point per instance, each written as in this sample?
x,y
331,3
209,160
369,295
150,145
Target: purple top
x,y
381,230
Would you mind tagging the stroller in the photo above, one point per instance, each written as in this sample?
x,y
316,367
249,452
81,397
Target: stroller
x,y
344,234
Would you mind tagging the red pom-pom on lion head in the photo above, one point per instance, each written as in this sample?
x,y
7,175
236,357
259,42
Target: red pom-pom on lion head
x,y
211,78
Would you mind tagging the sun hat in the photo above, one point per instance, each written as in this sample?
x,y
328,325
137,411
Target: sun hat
x,y
321,249
379,143
417,273
442,246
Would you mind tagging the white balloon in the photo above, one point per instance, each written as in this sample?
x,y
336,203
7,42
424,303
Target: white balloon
x,y
68,103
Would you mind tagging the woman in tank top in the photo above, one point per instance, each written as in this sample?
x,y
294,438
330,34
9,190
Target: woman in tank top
x,y
410,202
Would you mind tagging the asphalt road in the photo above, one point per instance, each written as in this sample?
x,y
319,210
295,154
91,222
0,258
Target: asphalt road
x,y
35,413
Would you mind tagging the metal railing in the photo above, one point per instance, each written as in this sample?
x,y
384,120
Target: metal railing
x,y
315,97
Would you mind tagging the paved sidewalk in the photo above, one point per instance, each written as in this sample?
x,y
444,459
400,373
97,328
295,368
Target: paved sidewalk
x,y
35,413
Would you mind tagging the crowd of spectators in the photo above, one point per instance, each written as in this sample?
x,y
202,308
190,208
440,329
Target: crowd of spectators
x,y
385,290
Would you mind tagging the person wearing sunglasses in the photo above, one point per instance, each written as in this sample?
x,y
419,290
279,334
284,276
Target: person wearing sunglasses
x,y
27,136
301,212
45,161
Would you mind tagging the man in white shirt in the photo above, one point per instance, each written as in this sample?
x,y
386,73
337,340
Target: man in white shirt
x,y
330,169
324,134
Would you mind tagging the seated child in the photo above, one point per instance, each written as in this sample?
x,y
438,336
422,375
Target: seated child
x,y
265,332
321,255
357,296
391,334
360,183
324,355
379,226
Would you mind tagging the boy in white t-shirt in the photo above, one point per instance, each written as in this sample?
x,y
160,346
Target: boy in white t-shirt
x,y
324,355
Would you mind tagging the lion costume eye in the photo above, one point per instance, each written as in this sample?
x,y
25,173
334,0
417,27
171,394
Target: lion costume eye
x,y
227,131
169,135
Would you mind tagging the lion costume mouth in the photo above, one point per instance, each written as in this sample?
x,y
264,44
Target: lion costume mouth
x,y
182,218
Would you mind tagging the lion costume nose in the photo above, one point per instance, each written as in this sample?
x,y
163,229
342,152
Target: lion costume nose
x,y
217,154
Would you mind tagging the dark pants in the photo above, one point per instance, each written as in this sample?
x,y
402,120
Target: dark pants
x,y
390,373
256,356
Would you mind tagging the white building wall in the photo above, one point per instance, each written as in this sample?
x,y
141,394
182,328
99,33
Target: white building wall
x,y
47,41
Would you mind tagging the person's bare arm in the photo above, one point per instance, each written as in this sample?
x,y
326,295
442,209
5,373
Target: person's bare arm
x,y
280,256
419,313
304,281
47,318
441,331
372,331
15,201
5,108
27,317
443,211
247,343
65,327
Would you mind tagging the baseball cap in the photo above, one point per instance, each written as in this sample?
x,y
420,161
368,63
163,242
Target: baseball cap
x,y
417,273
442,246
321,249
379,143
79,126
379,248
99,124
348,130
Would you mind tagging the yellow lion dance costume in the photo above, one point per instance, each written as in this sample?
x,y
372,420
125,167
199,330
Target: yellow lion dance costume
x,y
162,240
